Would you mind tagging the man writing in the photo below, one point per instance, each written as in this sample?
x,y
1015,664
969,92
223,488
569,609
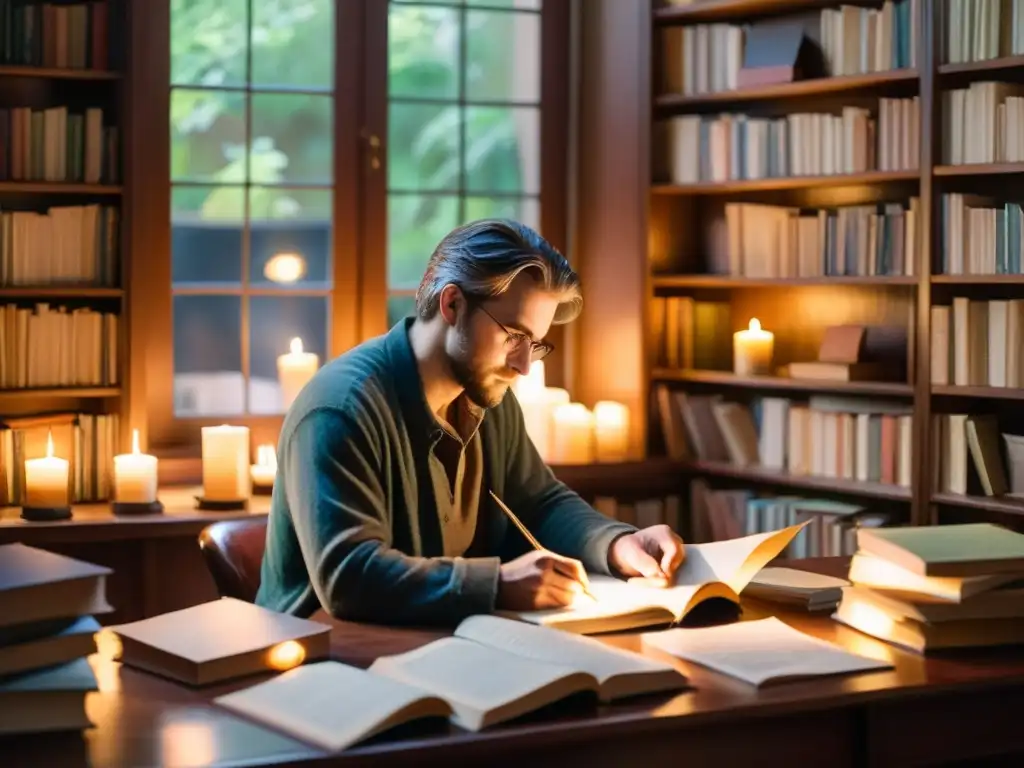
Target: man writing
x,y
381,509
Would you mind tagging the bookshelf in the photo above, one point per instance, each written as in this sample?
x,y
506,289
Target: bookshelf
x,y
63,267
917,152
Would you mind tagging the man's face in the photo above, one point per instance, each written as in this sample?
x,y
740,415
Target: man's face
x,y
484,359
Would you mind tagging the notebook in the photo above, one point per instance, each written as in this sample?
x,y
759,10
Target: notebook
x,y
215,641
37,585
796,588
759,652
720,569
969,549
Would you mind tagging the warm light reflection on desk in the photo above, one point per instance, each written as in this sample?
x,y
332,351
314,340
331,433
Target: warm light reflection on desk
x,y
186,742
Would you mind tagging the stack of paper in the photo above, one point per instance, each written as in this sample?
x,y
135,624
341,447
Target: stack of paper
x,y
47,629
936,587
797,589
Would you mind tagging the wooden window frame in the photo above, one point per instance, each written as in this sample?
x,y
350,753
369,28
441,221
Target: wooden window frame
x,y
358,299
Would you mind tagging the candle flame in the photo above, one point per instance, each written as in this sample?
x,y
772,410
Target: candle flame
x,y
755,324
49,444
135,442
296,346
286,655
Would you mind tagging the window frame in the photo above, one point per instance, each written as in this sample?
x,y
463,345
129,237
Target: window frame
x,y
358,298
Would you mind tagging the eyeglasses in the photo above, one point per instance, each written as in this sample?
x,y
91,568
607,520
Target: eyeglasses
x,y
515,340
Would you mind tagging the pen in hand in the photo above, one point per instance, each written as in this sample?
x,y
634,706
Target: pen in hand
x,y
530,537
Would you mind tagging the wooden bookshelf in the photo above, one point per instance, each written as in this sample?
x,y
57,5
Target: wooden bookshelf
x,y
779,383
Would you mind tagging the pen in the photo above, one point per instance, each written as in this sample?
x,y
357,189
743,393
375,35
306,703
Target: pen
x,y
529,536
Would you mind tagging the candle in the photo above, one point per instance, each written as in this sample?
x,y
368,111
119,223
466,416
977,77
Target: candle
x,y
226,463
572,434
611,431
294,370
752,350
265,468
538,403
135,475
46,479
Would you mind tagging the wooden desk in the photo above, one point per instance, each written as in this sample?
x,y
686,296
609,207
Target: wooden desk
x,y
924,712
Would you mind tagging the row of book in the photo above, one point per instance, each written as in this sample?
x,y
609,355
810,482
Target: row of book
x,y
688,334
978,343
65,245
979,30
732,147
49,346
825,436
87,441
61,35
962,442
56,145
980,236
774,241
983,123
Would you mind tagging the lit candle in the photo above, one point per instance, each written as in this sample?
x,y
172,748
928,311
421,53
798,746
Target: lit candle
x,y
135,475
226,463
611,431
46,479
572,434
294,370
538,402
265,468
752,350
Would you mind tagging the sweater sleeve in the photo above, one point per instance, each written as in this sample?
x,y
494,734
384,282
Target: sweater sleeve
x,y
561,520
336,490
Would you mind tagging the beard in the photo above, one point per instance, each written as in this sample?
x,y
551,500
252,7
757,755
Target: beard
x,y
482,385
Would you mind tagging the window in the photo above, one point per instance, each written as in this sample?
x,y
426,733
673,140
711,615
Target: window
x,y
463,125
251,146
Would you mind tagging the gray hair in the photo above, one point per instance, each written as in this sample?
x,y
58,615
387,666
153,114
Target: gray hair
x,y
483,258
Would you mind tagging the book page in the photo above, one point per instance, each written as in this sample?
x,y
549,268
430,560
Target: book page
x,y
482,684
734,562
758,652
332,705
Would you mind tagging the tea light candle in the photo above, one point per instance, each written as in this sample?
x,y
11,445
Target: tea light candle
x,y
226,463
135,475
265,469
752,350
46,479
611,431
294,370
572,434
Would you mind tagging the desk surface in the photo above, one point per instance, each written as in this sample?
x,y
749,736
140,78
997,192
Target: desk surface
x,y
955,706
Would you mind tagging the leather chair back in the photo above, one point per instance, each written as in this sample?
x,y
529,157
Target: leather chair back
x,y
233,551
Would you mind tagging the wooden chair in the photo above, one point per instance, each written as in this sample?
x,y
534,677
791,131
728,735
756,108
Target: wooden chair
x,y
233,551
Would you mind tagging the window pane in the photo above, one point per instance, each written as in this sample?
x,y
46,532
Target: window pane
x,y
424,142
273,323
423,52
208,135
293,43
292,138
503,149
525,210
208,356
399,307
206,235
208,42
503,56
519,5
416,224
290,238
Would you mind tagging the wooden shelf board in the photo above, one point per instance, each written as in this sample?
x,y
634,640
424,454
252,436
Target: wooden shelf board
x,y
60,292
59,187
55,73
1004,504
733,281
992,393
726,379
989,65
707,10
978,169
978,279
808,482
786,182
68,392
816,87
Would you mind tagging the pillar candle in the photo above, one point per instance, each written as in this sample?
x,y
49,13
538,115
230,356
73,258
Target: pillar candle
x,y
46,479
611,431
226,463
752,350
294,370
265,469
572,434
135,475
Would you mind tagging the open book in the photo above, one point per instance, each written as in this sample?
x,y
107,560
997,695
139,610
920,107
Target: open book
x,y
720,569
493,670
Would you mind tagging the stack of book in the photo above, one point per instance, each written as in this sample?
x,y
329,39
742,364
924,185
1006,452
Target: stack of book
x,y
930,588
47,629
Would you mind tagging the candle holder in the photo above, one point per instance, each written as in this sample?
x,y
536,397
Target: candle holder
x,y
45,514
262,489
128,508
221,505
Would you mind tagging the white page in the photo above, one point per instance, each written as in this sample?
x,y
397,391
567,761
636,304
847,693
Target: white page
x,y
759,651
732,561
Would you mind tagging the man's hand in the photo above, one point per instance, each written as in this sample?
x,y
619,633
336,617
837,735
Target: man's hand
x,y
652,553
540,579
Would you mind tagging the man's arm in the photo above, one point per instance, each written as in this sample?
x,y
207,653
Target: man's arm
x,y
557,516
335,488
